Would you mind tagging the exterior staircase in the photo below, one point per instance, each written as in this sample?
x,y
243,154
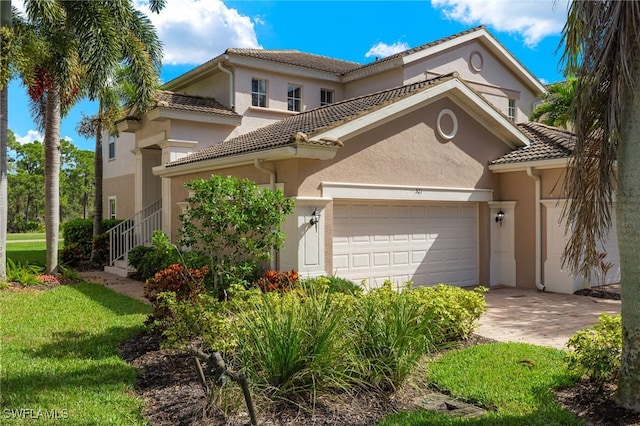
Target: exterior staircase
x,y
134,231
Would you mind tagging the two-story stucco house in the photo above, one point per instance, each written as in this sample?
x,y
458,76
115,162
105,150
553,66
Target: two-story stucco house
x,y
421,166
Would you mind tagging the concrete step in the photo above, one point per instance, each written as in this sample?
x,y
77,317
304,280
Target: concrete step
x,y
120,268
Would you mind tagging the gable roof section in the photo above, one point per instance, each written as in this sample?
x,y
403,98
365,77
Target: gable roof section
x,y
299,59
547,144
325,126
478,33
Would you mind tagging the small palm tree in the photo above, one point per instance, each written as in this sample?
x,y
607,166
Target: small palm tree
x,y
556,107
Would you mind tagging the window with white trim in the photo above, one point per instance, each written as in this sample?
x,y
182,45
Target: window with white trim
x,y
112,207
112,147
511,111
294,97
258,92
326,97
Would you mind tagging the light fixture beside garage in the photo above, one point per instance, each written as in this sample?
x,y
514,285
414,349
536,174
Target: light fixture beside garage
x,y
315,217
500,217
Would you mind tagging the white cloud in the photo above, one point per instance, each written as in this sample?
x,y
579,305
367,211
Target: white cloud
x,y
382,50
31,136
194,31
532,19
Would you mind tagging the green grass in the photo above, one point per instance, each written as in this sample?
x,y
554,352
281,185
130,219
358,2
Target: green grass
x,y
26,236
513,380
59,353
31,253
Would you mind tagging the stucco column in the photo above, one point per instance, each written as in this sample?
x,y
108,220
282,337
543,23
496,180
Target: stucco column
x,y
137,180
503,255
304,248
172,149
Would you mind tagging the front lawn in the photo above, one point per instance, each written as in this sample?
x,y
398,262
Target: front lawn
x,y
59,356
513,380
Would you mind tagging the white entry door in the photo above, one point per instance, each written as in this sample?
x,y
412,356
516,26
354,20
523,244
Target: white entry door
x,y
427,243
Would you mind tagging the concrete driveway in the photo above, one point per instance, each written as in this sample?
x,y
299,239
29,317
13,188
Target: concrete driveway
x,y
540,318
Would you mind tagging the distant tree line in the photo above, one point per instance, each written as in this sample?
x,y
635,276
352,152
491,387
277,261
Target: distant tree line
x,y
26,194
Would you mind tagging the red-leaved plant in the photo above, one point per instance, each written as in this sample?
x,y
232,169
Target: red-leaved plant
x,y
278,281
185,283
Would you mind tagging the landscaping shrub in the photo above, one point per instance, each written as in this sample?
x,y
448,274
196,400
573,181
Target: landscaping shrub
x,y
335,285
183,282
234,224
149,260
597,350
22,273
71,254
278,281
80,233
454,309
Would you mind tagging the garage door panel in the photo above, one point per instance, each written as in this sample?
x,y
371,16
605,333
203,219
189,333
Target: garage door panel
x,y
425,243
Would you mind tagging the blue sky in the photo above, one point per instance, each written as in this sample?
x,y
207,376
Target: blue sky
x,y
194,31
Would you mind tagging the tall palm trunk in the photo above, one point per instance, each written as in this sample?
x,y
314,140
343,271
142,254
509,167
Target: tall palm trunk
x,y
52,176
628,223
5,21
97,200
4,208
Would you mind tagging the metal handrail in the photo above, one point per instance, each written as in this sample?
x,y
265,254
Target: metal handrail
x,y
134,231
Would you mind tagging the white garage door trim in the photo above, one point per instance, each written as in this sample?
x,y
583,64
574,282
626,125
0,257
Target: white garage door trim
x,y
426,243
364,191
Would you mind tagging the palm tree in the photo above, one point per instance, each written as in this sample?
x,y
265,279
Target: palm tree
x,y
81,43
556,107
5,22
601,39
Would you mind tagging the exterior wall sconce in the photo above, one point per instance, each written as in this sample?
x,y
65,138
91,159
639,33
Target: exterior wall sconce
x,y
315,217
500,217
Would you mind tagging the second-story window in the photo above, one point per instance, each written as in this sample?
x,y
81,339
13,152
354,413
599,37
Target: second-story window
x,y
326,97
294,98
258,92
511,112
112,147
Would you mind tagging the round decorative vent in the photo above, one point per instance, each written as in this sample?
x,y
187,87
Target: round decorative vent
x,y
447,124
476,61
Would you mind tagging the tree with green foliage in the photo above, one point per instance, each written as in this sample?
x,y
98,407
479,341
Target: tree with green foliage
x,y
601,39
26,184
76,181
556,107
234,224
72,49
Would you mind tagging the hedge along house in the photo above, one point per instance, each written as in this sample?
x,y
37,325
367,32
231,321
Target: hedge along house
x,y
403,164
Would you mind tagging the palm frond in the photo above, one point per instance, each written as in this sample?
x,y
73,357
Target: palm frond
x,y
601,39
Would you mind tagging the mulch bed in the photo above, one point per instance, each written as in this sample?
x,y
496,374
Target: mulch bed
x,y
600,294
173,395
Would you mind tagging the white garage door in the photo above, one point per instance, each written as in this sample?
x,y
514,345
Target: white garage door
x,y
425,243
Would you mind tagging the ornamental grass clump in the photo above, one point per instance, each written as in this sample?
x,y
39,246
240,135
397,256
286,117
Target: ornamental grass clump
x,y
391,331
293,344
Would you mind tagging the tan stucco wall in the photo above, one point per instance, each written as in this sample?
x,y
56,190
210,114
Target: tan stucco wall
x,y
373,83
122,188
408,151
519,187
493,75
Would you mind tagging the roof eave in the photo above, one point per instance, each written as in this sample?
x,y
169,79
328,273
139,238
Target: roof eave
x,y
307,151
554,163
162,113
